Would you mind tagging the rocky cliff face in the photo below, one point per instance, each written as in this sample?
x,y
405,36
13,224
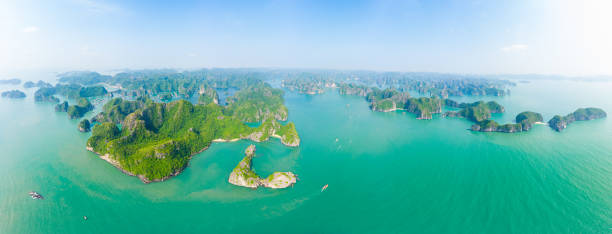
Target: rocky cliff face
x,y
290,141
242,175
279,180
557,123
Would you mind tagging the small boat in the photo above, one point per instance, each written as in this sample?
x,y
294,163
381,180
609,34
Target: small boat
x,y
324,188
84,217
35,195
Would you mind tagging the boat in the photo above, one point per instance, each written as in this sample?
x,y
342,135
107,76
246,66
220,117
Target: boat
x,y
85,217
324,188
35,195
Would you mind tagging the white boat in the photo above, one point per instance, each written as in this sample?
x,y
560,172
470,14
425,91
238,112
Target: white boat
x,y
36,195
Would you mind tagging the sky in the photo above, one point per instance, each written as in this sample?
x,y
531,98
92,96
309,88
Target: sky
x,y
467,37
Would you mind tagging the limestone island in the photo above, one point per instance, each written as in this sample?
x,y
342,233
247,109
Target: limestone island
x,y
84,126
524,122
475,112
558,123
13,81
391,100
244,176
155,141
39,84
13,94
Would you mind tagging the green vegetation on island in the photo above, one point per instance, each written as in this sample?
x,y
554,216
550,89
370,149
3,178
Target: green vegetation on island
x,y
255,103
559,123
243,175
390,100
117,109
475,112
79,110
479,112
307,86
528,118
71,91
386,100
45,95
207,95
354,89
83,78
424,107
524,122
492,126
13,94
156,140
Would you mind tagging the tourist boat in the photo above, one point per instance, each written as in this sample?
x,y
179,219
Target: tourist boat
x,y
324,187
35,195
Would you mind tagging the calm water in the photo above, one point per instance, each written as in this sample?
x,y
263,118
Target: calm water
x,y
387,173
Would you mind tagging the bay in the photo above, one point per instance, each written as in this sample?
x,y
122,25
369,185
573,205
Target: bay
x,y
387,173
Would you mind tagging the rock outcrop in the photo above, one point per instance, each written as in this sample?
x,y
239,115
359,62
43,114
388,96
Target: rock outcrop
x,y
13,94
62,107
559,123
84,126
244,176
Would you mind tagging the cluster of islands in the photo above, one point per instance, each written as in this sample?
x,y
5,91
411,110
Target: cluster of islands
x,y
149,129
152,122
397,97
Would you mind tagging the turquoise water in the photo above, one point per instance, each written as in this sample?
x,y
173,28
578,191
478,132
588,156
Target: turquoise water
x,y
387,173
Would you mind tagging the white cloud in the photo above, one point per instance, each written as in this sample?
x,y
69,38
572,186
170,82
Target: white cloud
x,y
30,29
98,6
514,47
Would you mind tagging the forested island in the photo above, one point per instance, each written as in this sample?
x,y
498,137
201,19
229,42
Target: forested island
x,y
524,122
84,126
558,123
475,112
72,91
75,111
432,84
157,140
13,94
243,175
396,96
39,84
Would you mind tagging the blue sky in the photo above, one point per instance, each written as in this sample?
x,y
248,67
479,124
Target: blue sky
x,y
550,37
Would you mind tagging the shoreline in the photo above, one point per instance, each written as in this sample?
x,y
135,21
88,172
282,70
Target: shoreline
x,y
224,140
116,164
108,158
